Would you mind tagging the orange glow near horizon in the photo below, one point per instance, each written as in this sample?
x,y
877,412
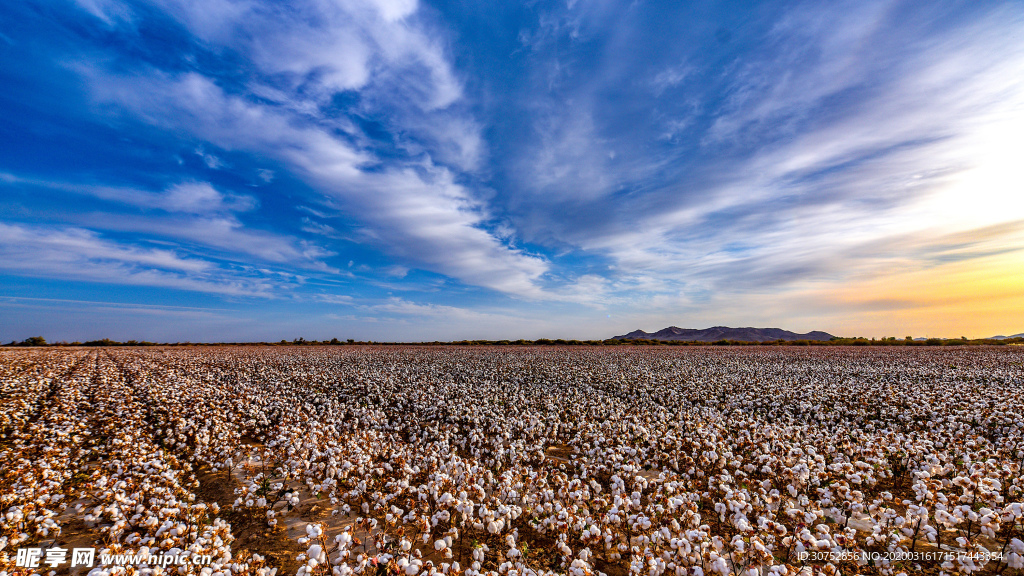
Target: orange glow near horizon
x,y
977,298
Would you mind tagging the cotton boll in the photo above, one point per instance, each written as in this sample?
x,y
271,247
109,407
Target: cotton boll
x,y
316,552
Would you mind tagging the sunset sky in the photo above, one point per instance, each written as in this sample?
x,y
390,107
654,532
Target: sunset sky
x,y
241,170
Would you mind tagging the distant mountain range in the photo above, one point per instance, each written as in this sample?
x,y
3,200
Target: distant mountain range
x,y
1021,335
723,333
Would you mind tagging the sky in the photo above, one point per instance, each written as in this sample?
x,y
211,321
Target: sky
x,y
403,170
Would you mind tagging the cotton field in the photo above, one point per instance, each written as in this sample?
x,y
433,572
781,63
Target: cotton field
x,y
513,461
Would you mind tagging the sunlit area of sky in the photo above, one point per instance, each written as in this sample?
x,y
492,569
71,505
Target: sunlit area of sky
x,y
245,170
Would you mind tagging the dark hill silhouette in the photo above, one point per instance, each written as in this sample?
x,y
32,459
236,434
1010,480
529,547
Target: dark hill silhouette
x,y
723,333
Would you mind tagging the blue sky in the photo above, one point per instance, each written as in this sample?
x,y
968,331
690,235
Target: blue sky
x,y
403,170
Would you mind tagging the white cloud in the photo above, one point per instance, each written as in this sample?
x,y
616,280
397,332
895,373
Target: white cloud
x,y
418,213
327,47
670,77
225,233
392,10
334,299
187,197
212,162
199,214
76,242
319,228
190,197
111,12
119,307
80,254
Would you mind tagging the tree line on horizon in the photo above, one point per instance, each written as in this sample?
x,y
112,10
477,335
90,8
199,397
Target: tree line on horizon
x,y
39,341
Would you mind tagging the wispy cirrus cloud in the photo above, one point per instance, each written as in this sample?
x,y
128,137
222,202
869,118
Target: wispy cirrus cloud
x,y
193,212
77,253
416,211
188,197
226,234
110,12
839,133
